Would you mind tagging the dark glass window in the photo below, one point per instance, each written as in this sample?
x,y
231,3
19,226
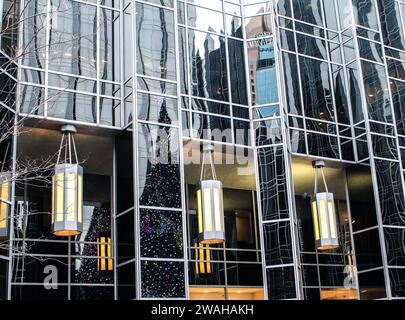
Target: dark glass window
x,y
73,43
395,246
376,91
155,42
162,279
397,277
263,73
368,250
316,89
390,192
161,234
311,46
398,99
370,50
292,83
156,108
208,65
273,184
391,25
205,19
341,101
72,105
277,243
237,71
159,173
281,283
365,13
308,11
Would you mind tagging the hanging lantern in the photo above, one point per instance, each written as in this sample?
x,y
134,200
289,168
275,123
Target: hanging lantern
x,y
210,205
105,261
323,213
203,265
67,189
5,202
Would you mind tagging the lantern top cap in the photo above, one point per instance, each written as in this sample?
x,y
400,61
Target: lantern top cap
x,y
208,147
68,128
318,164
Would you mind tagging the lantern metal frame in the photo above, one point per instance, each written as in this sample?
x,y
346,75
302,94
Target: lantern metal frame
x,y
326,230
210,211
67,188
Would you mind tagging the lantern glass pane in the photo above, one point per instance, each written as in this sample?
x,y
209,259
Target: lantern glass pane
x,y
104,263
59,196
207,210
332,219
80,198
200,219
217,207
316,222
53,199
110,261
4,205
102,254
71,196
202,258
324,218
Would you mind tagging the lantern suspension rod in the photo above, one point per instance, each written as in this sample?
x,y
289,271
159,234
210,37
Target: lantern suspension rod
x,y
207,151
66,143
319,165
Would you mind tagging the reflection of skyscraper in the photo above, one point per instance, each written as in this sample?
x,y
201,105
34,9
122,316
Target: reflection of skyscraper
x,y
266,74
262,69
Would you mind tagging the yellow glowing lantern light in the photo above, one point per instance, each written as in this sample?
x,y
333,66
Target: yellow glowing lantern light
x,y
67,189
210,204
324,214
105,261
5,202
203,265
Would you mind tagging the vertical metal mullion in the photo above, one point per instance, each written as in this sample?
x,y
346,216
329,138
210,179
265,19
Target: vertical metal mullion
x,y
69,268
188,69
135,154
385,259
47,45
98,65
228,79
255,225
392,110
332,89
344,68
372,166
351,235
288,169
255,156
228,74
122,54
298,63
114,240
181,154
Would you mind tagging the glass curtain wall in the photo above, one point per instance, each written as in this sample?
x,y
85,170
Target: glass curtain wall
x,y
70,65
278,228
159,202
45,266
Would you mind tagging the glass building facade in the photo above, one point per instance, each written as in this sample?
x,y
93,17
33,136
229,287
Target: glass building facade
x,y
272,85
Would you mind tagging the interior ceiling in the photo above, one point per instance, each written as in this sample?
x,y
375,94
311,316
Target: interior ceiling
x,y
304,178
234,172
94,151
